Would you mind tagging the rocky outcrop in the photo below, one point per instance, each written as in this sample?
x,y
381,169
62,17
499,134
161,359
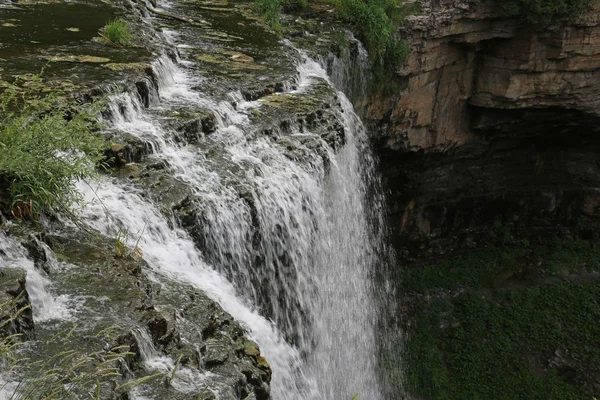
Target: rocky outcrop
x,y
156,321
467,56
494,122
16,316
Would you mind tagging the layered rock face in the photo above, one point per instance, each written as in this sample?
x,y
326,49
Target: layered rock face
x,y
495,123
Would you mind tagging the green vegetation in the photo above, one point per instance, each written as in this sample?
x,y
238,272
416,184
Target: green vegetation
x,y
544,11
476,346
271,9
505,322
47,144
494,266
374,21
118,32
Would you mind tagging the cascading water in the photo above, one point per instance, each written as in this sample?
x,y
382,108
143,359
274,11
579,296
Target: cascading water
x,y
289,246
45,306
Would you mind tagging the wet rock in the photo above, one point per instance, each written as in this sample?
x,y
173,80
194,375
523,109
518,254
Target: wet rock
x,y
130,171
314,111
191,125
132,360
162,326
125,149
15,303
138,67
78,58
179,321
214,352
39,252
145,91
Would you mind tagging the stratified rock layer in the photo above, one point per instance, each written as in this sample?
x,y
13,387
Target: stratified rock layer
x,y
495,121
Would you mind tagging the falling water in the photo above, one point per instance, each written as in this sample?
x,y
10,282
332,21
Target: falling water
x,y
45,306
288,245
348,69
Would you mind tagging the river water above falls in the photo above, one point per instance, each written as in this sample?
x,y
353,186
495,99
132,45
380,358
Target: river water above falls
x,y
280,216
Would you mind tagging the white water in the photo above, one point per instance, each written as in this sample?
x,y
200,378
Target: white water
x,y
173,253
45,306
346,70
292,262
186,380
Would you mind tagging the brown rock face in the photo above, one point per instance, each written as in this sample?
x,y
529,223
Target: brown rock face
x,y
495,121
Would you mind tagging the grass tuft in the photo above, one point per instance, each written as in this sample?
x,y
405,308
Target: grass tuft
x,y
118,32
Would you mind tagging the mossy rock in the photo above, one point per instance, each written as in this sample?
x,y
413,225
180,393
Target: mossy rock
x,y
78,59
16,303
138,67
237,61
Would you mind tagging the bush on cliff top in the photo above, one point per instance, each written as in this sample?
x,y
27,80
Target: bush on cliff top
x,y
544,11
46,144
374,21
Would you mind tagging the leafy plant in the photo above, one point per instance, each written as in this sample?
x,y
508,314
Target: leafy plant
x,y
47,144
118,32
122,250
486,323
271,9
374,21
120,246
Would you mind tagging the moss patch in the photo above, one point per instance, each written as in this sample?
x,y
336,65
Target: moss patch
x,y
233,61
78,59
129,67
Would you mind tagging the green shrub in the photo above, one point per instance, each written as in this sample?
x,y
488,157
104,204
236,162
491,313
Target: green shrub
x,y
489,321
544,11
118,32
373,20
500,345
47,144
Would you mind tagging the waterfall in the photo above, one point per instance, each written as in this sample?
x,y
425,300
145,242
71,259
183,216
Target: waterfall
x,y
289,244
349,69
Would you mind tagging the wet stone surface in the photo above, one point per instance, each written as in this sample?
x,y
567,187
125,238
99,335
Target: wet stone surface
x,y
161,321
14,299
48,37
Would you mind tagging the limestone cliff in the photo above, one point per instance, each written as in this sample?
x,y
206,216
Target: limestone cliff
x,y
494,122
